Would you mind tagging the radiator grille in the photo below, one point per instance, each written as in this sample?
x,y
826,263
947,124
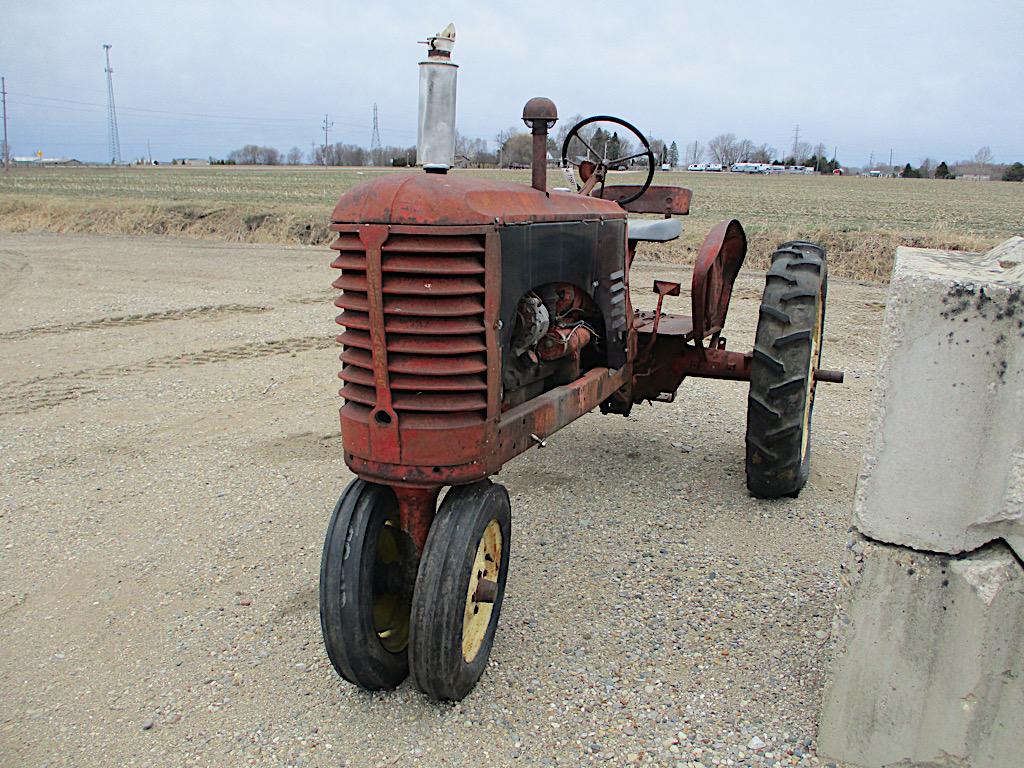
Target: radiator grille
x,y
433,299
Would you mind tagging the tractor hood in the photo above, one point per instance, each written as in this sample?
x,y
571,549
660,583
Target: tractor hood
x,y
462,200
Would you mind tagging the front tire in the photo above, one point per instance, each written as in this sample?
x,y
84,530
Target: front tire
x,y
787,352
367,573
459,590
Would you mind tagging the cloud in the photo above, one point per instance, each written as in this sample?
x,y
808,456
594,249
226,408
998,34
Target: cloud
x,y
925,78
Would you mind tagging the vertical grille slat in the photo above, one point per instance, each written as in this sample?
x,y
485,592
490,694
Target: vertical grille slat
x,y
435,337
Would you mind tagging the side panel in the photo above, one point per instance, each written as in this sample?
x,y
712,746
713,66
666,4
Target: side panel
x,y
589,254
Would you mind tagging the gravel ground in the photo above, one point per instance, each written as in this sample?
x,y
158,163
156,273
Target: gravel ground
x,y
170,457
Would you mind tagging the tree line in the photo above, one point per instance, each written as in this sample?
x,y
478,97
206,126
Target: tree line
x,y
513,149
338,153
980,164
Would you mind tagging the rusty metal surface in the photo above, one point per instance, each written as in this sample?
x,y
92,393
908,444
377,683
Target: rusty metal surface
x,y
418,334
562,342
540,114
668,325
416,509
664,200
545,414
451,200
540,108
829,376
672,358
714,273
519,430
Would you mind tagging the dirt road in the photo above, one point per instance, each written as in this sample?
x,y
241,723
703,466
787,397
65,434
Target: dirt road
x,y
170,455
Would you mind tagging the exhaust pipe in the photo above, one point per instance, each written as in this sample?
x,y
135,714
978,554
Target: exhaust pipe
x,y
435,136
540,114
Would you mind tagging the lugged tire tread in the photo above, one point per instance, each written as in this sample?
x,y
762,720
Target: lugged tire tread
x,y
768,360
792,338
798,294
778,380
778,314
797,382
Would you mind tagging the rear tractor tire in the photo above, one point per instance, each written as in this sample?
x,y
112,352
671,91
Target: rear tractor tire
x,y
787,352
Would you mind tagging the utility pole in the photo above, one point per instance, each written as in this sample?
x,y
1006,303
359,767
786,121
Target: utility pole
x,y
327,128
890,158
375,149
871,162
114,143
796,141
7,151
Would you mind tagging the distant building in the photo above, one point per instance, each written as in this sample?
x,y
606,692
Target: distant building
x,y
36,160
189,161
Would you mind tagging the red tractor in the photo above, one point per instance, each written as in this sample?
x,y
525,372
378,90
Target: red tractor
x,y
479,318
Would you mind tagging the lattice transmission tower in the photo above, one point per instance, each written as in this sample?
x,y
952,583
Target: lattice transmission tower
x,y
114,141
375,148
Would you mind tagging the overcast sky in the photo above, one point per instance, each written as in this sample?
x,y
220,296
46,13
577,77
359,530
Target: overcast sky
x,y
935,78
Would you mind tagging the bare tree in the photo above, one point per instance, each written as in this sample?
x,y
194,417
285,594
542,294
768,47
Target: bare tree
x,y
657,147
801,151
983,156
294,156
927,164
627,148
471,151
762,154
251,154
565,126
341,154
724,148
694,153
744,149
517,149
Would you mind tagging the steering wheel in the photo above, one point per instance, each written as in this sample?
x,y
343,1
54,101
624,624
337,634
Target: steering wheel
x,y
593,171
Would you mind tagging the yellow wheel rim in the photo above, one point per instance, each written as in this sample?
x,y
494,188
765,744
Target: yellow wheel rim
x,y
813,363
391,606
486,568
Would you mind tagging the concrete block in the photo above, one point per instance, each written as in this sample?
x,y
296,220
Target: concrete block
x,y
928,669
944,466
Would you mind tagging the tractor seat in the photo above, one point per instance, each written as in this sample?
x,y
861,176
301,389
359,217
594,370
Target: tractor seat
x,y
653,230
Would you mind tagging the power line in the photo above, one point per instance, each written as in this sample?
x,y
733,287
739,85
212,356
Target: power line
x,y
176,114
115,140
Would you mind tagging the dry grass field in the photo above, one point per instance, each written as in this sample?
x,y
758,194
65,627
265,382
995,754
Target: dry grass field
x,y
860,220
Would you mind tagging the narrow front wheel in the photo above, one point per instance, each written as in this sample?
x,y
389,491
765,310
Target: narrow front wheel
x,y
367,573
459,589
